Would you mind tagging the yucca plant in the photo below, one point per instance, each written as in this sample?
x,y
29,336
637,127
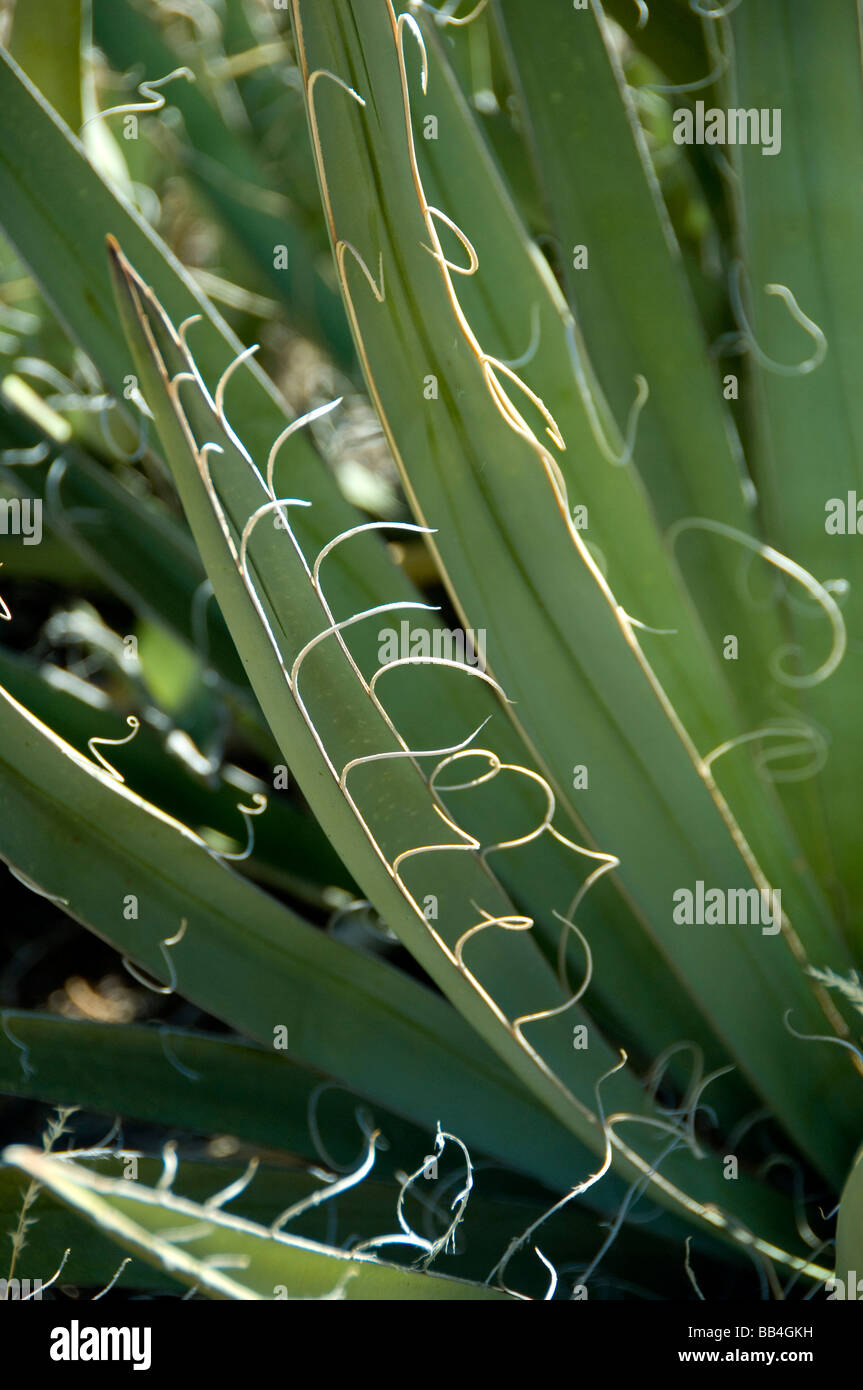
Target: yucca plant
x,y
473,805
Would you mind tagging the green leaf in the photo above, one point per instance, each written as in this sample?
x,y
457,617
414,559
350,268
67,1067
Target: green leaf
x,y
457,176
73,276
637,317
245,958
148,1222
798,214
190,1081
46,41
517,567
498,1211
849,1232
334,729
289,852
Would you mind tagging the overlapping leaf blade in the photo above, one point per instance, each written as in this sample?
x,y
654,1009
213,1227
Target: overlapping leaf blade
x,y
230,1258
278,620
244,957
488,486
797,214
